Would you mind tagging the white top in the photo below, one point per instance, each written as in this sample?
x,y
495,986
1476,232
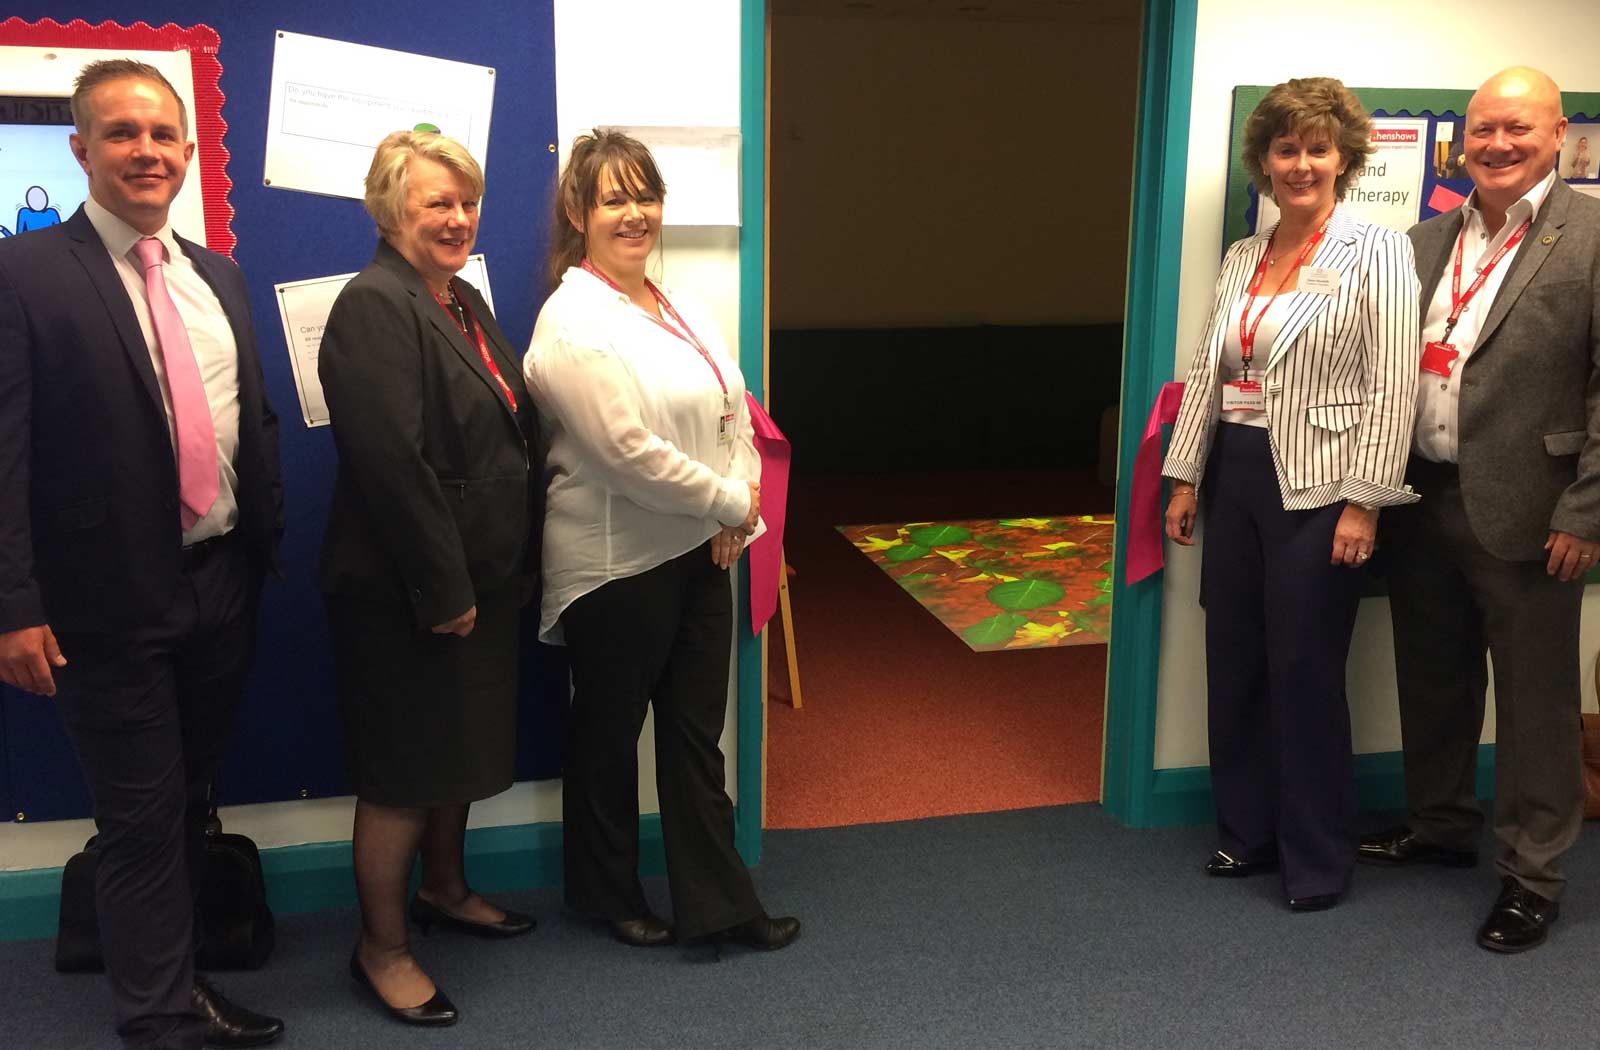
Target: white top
x,y
211,338
630,413
1437,435
1233,354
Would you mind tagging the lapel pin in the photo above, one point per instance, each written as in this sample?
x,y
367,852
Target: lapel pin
x,y
1549,239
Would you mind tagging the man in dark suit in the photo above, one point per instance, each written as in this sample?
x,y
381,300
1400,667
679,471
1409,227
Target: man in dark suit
x,y
143,504
1506,456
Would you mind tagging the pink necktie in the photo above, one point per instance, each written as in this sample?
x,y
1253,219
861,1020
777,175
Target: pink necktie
x,y
191,413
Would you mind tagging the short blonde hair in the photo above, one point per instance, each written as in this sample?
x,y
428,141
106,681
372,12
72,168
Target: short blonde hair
x,y
1309,105
389,174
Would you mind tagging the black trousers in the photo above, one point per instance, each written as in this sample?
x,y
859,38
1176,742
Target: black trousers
x,y
1278,626
1452,600
149,712
660,638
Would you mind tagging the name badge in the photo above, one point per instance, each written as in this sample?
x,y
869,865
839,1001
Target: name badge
x,y
725,424
1319,280
1243,395
1439,358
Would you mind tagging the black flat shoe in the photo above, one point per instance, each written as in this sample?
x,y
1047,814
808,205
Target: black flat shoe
x,y
647,931
436,1012
227,1023
1400,845
763,933
1315,902
1519,920
1223,866
427,915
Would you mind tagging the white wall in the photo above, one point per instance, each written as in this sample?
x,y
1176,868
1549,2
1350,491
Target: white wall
x,y
612,67
1366,43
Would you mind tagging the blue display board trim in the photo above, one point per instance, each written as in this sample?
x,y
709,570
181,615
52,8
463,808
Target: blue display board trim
x,y
1155,250
318,877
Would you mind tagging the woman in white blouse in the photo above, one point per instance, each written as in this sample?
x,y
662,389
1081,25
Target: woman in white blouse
x,y
1297,415
655,491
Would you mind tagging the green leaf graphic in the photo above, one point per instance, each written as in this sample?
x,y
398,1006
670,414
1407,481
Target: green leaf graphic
x,y
939,535
906,552
996,630
1026,594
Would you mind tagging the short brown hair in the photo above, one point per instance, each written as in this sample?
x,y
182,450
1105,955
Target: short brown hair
x,y
1309,105
106,70
389,174
593,154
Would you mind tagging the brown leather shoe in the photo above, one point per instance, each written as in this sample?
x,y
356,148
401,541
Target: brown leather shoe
x,y
763,933
1400,845
647,931
1519,920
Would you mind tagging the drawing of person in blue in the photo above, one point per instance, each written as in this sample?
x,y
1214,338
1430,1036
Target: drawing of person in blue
x,y
36,214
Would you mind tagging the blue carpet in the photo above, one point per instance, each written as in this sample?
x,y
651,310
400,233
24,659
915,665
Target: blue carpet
x,y
1047,928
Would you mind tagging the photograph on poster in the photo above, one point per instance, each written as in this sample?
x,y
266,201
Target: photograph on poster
x,y
40,182
1580,151
1448,160
332,102
303,307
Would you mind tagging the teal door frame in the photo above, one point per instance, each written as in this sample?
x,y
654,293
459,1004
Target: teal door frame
x,y
1155,248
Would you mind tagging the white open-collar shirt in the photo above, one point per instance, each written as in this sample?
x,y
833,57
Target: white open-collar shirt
x,y
631,414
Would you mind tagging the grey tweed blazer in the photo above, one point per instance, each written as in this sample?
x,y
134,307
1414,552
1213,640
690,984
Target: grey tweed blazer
x,y
1529,416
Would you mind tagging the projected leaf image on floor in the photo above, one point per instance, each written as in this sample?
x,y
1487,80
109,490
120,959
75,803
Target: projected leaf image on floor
x,y
1012,583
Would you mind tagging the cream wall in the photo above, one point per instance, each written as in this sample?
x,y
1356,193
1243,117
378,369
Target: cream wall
x,y
1366,43
609,70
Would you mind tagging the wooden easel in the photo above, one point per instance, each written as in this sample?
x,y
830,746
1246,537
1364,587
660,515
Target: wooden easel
x,y
787,612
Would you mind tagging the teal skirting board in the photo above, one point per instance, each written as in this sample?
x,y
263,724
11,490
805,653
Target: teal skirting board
x,y
317,877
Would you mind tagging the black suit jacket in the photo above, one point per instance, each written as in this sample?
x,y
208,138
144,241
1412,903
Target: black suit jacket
x,y
437,487
89,533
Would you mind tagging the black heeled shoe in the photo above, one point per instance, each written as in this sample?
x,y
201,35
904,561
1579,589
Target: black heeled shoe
x,y
427,915
647,931
435,1013
762,933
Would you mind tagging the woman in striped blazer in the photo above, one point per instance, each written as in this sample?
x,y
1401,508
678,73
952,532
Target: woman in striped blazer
x,y
1297,416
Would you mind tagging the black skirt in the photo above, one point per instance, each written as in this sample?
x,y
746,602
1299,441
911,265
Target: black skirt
x,y
429,719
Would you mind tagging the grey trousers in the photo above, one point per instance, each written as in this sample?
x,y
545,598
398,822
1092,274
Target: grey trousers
x,y
1451,600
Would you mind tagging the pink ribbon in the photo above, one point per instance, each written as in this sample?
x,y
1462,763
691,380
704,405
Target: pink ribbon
x,y
1145,520
766,553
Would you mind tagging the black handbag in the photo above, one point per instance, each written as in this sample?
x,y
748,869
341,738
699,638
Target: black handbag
x,y
238,928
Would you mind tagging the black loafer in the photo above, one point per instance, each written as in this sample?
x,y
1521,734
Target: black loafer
x,y
763,933
435,1013
227,1023
647,931
427,915
1223,866
1400,845
1315,902
1519,920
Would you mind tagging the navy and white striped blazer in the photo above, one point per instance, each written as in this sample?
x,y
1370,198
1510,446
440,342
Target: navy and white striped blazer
x,y
1341,381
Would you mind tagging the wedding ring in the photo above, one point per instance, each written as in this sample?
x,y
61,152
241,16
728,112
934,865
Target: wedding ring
x,y
1361,555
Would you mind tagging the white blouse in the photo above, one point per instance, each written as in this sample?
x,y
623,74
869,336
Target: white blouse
x,y
631,414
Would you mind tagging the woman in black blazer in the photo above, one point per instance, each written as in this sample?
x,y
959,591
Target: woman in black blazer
x,y
430,550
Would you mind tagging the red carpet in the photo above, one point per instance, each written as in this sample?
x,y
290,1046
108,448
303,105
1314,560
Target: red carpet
x,y
900,719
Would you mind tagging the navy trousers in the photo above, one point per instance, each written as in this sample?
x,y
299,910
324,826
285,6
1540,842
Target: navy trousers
x,y
1278,624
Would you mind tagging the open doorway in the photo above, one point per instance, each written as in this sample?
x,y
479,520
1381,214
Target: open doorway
x,y
949,193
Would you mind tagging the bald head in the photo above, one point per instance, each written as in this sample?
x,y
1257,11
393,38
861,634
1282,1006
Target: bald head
x,y
1515,128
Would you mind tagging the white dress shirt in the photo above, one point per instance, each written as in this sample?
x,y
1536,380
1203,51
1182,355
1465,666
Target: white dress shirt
x,y
631,414
210,336
1439,398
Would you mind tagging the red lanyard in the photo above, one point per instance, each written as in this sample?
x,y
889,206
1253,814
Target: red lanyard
x,y
1458,302
687,335
1247,332
468,326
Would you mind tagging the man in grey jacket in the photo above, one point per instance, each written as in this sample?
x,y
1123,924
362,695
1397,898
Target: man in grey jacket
x,y
1506,457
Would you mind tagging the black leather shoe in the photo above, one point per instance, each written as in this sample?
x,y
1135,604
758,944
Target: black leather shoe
x,y
227,1023
1223,866
436,1012
763,933
427,915
647,931
1519,920
1315,902
1400,845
